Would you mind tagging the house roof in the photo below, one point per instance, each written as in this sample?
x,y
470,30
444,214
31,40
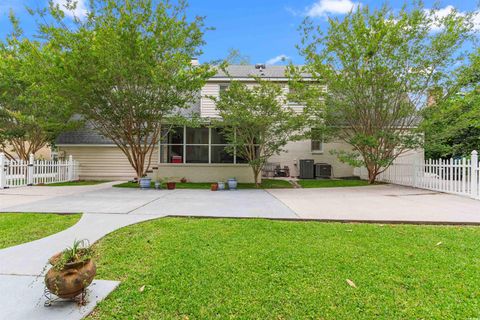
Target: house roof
x,y
249,71
85,135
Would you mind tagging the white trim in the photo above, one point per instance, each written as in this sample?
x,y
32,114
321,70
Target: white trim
x,y
233,165
86,145
253,80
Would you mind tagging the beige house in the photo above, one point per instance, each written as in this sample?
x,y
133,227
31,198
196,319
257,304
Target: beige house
x,y
198,154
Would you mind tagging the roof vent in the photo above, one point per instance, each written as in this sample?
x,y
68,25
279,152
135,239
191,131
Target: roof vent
x,y
260,66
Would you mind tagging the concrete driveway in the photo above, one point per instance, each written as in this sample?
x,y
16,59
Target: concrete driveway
x,y
385,203
103,199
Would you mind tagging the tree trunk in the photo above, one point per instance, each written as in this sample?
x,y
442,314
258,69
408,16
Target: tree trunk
x,y
372,173
256,173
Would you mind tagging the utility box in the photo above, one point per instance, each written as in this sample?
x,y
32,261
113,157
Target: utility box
x,y
307,170
323,171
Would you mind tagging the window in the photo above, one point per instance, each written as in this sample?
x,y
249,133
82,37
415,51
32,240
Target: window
x,y
223,87
293,96
195,145
219,145
171,147
317,141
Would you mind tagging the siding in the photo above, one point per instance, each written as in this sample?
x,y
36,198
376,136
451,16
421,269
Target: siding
x,y
298,150
207,106
103,162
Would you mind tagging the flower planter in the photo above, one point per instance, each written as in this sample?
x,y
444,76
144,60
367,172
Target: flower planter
x,y
214,187
232,184
158,185
171,185
221,185
72,279
145,183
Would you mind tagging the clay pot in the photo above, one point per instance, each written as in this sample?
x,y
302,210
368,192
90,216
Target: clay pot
x,y
171,185
214,187
72,279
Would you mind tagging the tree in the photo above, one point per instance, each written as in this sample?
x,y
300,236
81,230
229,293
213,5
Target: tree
x,y
31,114
256,123
378,65
452,126
128,69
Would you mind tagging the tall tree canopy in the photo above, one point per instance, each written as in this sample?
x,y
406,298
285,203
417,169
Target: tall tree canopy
x,y
256,122
452,126
128,68
378,65
31,113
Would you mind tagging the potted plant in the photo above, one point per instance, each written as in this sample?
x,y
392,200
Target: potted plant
x,y
72,270
214,187
145,182
232,183
221,185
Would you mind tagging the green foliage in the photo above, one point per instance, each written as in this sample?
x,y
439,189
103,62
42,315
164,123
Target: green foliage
x,y
331,183
378,65
80,251
263,269
452,127
31,113
265,184
255,121
75,183
127,67
18,228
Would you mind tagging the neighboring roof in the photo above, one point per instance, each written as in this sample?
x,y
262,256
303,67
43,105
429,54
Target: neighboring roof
x,y
88,135
247,71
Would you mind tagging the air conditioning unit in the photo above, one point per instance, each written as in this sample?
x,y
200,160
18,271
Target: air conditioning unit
x,y
323,171
307,170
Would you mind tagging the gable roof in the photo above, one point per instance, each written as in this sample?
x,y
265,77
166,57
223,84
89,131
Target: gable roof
x,y
247,71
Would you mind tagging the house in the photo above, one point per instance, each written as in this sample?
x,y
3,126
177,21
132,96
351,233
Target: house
x,y
198,154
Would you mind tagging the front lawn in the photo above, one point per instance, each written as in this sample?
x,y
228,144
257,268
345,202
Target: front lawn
x,y
266,184
327,183
74,183
17,228
187,268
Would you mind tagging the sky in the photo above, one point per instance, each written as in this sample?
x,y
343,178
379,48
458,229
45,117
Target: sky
x,y
264,30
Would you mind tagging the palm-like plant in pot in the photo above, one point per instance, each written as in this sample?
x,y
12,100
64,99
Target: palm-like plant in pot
x,y
72,270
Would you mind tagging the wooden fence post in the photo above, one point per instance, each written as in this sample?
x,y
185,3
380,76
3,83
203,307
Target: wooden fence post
x,y
474,175
3,173
31,169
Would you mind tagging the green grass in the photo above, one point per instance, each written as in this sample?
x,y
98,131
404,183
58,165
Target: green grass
x,y
75,183
266,184
331,183
262,269
17,228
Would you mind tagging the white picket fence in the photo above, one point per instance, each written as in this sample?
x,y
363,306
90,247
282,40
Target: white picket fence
x,y
19,173
456,176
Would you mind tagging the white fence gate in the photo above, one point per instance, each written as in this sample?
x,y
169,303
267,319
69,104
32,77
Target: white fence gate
x,y
19,173
457,176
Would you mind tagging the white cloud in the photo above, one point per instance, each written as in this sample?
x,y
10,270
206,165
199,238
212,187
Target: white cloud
x,y
444,12
277,59
322,8
79,12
